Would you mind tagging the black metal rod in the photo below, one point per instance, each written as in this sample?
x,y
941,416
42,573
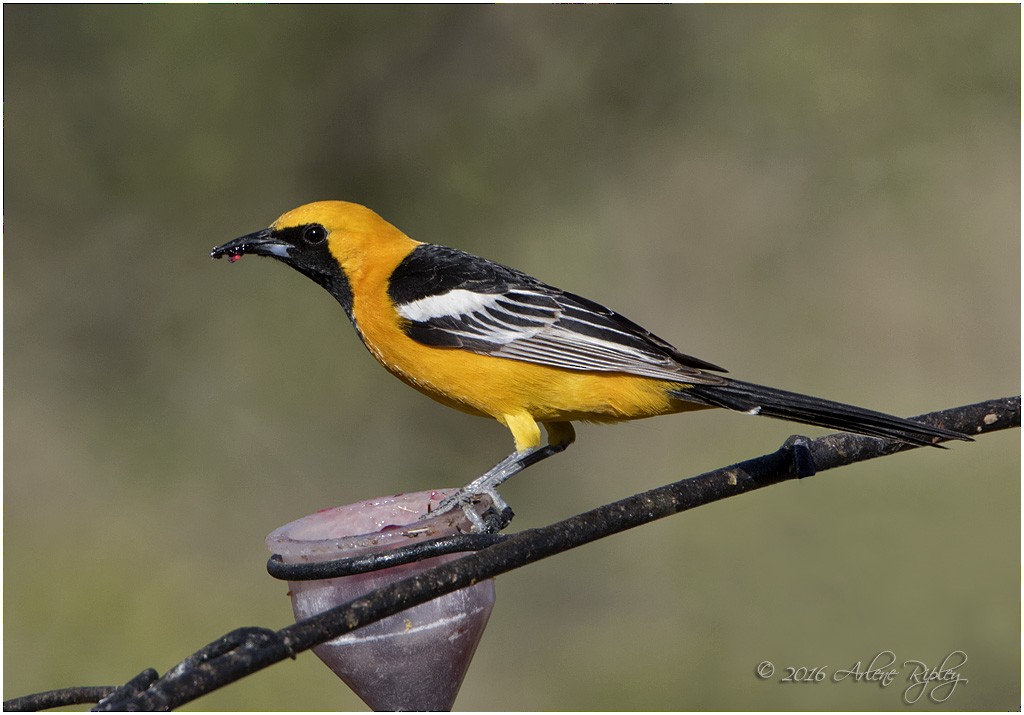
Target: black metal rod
x,y
59,698
380,560
247,650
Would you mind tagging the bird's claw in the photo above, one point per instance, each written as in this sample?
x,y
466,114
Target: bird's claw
x,y
494,518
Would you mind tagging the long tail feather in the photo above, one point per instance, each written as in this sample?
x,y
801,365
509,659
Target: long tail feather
x,y
758,399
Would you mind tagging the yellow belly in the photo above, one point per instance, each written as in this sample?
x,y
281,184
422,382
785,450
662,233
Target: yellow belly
x,y
493,386
518,394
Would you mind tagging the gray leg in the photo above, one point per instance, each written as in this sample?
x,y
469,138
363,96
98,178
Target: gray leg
x,y
488,483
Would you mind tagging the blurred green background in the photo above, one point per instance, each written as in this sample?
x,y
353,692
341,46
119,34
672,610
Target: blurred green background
x,y
824,199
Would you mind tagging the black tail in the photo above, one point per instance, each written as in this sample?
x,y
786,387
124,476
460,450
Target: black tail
x,y
757,399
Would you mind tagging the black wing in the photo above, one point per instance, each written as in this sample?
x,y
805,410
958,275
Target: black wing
x,y
454,299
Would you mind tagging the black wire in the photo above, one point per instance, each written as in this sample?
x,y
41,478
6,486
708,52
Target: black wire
x,y
247,650
59,698
380,560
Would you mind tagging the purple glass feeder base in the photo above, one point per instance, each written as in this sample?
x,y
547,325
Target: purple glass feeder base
x,y
413,660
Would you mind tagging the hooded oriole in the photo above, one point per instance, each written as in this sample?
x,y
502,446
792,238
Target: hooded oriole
x,y
492,341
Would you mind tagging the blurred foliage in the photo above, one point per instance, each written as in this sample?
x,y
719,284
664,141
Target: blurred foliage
x,y
824,198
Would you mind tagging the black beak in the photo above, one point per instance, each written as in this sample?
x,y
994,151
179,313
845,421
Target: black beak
x,y
261,243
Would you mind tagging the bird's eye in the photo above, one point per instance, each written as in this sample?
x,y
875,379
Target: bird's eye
x,y
314,234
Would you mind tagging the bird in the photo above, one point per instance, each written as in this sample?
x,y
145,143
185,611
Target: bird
x,y
493,341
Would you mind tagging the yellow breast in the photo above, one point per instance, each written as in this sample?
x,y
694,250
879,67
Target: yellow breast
x,y
495,386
